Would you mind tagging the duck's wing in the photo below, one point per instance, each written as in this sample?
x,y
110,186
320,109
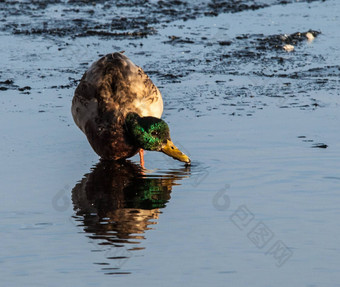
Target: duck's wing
x,y
122,86
85,104
104,129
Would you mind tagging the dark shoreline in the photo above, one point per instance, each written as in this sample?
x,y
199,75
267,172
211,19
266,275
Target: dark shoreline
x,y
140,18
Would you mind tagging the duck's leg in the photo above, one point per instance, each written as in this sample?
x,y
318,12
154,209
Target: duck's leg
x,y
141,155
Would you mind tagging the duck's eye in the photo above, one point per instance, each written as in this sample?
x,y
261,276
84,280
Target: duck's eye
x,y
154,134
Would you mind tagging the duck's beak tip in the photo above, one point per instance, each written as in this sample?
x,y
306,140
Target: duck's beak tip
x,y
171,150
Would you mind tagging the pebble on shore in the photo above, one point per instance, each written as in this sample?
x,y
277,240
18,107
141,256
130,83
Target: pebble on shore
x,y
288,48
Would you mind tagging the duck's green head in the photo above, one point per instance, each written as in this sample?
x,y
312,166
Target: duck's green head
x,y
153,134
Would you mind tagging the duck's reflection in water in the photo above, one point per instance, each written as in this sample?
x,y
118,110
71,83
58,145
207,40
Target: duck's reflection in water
x,y
116,203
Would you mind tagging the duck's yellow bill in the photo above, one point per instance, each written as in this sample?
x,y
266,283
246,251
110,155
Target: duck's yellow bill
x,y
171,150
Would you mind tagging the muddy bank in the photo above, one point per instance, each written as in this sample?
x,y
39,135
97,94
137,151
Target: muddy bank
x,y
101,18
175,41
217,66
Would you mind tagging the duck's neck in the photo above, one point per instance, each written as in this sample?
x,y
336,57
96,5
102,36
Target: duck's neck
x,y
132,125
131,121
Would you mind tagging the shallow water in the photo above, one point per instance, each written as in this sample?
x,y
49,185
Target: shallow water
x,y
260,204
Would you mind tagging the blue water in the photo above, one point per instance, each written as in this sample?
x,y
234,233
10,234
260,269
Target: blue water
x,y
258,207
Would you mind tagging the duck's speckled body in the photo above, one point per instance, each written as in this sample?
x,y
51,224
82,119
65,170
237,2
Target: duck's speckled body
x,y
110,89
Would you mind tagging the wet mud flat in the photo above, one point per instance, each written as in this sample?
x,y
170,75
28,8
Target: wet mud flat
x,y
102,18
251,92
73,31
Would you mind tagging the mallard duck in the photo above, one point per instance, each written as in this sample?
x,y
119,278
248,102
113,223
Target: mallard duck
x,y
119,110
